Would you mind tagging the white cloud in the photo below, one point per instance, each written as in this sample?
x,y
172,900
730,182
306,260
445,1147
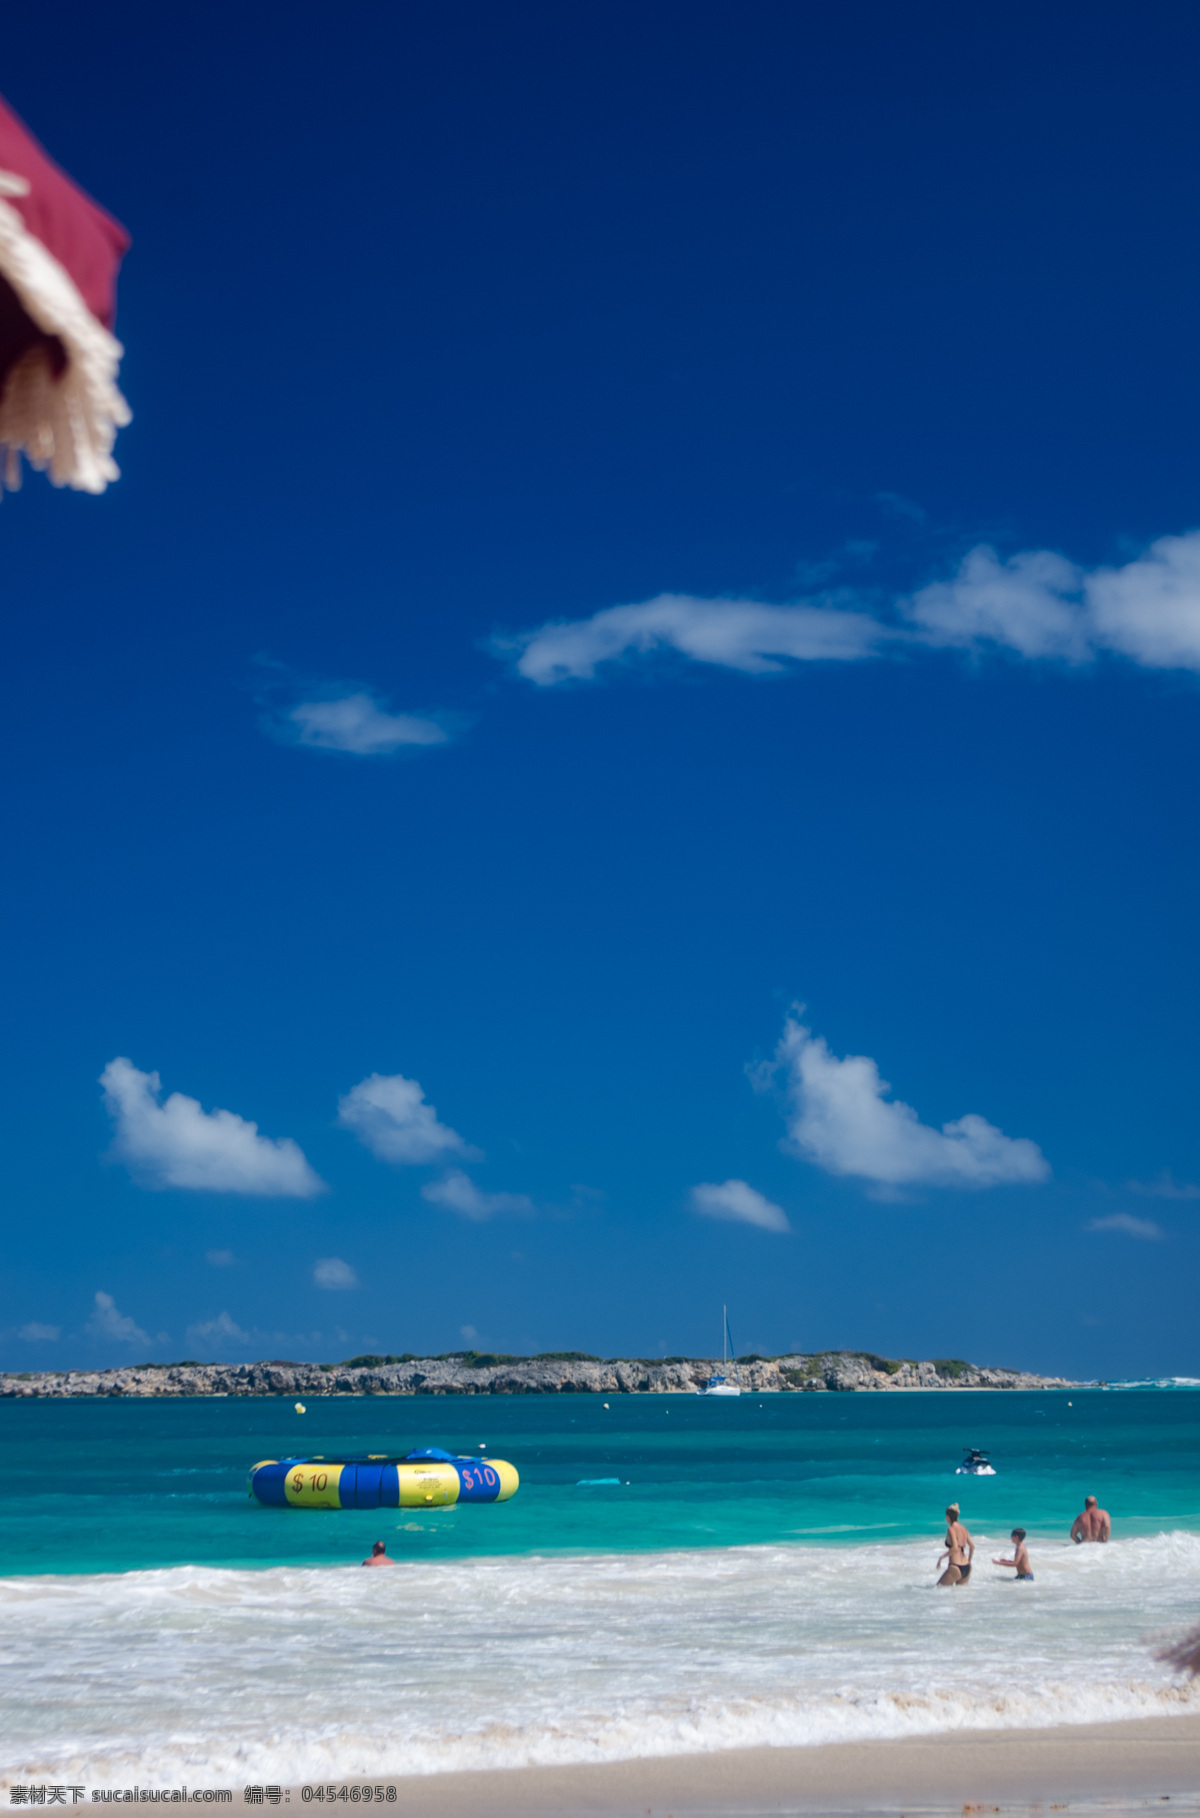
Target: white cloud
x,y
332,1272
107,1322
840,1118
222,1328
1028,603
458,1192
1132,1227
1164,1186
220,1259
737,634
388,1114
357,723
177,1144
34,1332
1150,609
1041,605
1036,603
737,1200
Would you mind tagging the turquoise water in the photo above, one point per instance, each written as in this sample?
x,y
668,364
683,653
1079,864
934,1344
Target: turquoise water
x,y
112,1486
762,1574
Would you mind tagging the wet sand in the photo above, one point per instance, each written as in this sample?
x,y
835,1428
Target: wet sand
x,y
1114,1767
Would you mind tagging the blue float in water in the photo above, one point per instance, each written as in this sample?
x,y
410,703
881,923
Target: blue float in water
x,y
426,1479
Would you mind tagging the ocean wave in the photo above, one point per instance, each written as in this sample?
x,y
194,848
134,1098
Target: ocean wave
x,y
1157,1382
215,1676
350,1749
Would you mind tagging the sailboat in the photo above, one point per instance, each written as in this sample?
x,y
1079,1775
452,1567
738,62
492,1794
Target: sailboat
x,y
721,1385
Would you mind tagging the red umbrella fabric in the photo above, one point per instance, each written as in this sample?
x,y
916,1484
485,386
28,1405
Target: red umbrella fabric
x,y
59,254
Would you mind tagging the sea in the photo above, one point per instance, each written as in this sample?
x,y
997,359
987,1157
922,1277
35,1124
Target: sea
x,y
675,1574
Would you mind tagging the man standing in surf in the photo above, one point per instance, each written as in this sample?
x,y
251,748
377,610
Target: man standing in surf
x,y
960,1549
1092,1524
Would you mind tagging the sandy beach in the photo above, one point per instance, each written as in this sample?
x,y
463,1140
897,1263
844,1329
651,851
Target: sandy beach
x,y
1114,1767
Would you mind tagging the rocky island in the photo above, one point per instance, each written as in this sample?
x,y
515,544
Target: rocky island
x,y
551,1373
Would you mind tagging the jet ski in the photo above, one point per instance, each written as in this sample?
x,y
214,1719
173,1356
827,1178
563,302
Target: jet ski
x,y
975,1464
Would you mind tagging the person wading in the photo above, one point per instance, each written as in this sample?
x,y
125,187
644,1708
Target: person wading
x,y
960,1549
1020,1558
1091,1524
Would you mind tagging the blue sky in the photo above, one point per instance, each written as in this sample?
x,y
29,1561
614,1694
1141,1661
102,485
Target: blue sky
x,y
635,520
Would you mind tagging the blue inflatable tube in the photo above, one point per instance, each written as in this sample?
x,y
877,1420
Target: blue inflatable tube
x,y
419,1480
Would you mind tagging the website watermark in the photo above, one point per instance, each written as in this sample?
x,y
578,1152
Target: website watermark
x,y
158,1795
324,1793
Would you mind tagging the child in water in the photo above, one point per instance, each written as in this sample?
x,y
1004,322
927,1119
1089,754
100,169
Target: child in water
x,y
1020,1558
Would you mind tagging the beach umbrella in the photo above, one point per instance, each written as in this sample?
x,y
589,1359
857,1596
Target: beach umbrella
x,y
59,254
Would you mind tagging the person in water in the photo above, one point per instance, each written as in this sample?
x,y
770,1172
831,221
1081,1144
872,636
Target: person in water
x,y
960,1549
1092,1524
1020,1558
379,1555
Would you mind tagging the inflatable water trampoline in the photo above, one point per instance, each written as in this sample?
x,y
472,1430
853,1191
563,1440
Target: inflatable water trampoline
x,y
430,1479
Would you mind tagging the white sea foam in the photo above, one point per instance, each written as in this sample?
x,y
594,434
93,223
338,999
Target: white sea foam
x,y
219,1677
1157,1382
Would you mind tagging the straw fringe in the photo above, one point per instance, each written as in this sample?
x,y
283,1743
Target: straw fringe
x,y
65,425
1184,1655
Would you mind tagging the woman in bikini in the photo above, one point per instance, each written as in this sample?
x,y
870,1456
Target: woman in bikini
x,y
960,1549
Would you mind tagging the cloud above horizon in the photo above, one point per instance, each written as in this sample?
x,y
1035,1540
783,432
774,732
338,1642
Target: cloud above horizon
x,y
736,1199
1126,1222
180,1145
35,1333
840,1118
108,1322
735,634
1036,604
1165,1186
390,1117
458,1193
224,1329
358,724
332,1272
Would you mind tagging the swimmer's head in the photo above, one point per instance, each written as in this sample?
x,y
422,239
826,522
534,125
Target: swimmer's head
x,y
379,1547
1017,1534
952,1513
1089,1502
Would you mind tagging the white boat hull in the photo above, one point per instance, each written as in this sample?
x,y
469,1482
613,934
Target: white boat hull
x,y
722,1388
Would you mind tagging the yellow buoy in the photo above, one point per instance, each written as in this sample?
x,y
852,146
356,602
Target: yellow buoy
x,y
300,1408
